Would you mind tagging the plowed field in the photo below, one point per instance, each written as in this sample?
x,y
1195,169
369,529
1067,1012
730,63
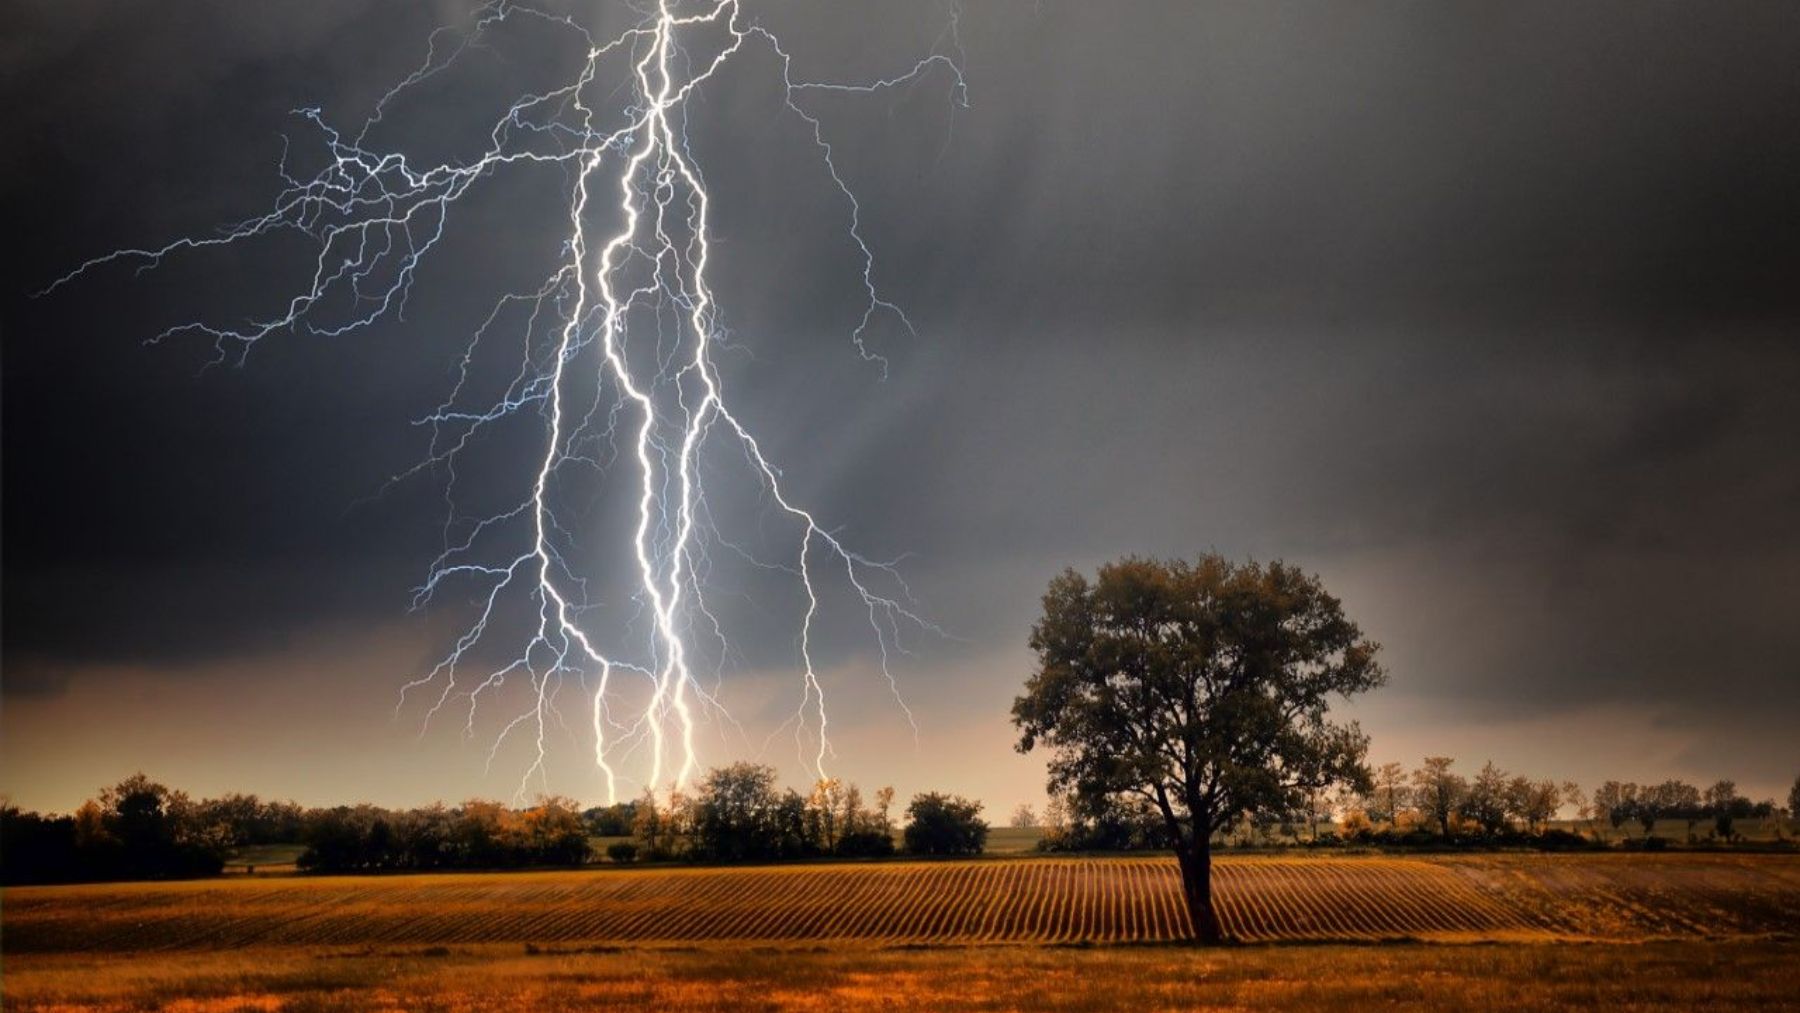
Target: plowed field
x,y
1102,900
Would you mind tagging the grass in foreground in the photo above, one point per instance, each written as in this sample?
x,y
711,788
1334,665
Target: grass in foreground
x,y
1519,978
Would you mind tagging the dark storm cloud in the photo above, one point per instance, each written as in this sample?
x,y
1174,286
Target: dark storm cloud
x,y
1486,312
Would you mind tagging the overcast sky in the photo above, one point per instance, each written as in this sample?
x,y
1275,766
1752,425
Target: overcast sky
x,y
1486,313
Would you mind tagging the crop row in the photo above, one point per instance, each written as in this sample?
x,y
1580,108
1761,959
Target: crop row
x,y
1034,900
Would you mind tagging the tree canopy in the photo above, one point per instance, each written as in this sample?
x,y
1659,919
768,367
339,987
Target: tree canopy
x,y
1201,689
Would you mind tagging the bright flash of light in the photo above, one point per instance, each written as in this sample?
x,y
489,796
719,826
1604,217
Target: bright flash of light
x,y
619,352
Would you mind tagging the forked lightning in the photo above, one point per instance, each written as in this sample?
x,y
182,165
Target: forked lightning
x,y
619,353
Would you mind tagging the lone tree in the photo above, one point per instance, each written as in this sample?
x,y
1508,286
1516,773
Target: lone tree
x,y
1199,688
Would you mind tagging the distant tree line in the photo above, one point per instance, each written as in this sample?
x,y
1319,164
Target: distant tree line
x,y
475,835
736,813
1719,807
1434,804
139,829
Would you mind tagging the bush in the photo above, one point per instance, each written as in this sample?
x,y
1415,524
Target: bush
x,y
622,852
872,843
1561,840
1413,838
939,824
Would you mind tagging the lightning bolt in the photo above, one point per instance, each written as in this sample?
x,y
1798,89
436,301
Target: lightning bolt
x,y
628,311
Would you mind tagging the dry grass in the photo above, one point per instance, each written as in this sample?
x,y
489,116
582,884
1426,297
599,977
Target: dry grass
x,y
1615,977
1606,897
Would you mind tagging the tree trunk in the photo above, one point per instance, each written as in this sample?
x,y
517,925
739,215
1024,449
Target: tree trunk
x,y
1196,890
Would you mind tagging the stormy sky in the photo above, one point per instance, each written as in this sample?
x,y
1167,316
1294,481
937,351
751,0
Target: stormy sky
x,y
1485,313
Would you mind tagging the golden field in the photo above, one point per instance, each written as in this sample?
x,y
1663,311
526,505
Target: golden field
x,y
1610,897
1654,931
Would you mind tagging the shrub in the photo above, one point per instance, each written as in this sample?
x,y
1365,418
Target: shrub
x,y
865,844
622,852
1561,840
939,824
